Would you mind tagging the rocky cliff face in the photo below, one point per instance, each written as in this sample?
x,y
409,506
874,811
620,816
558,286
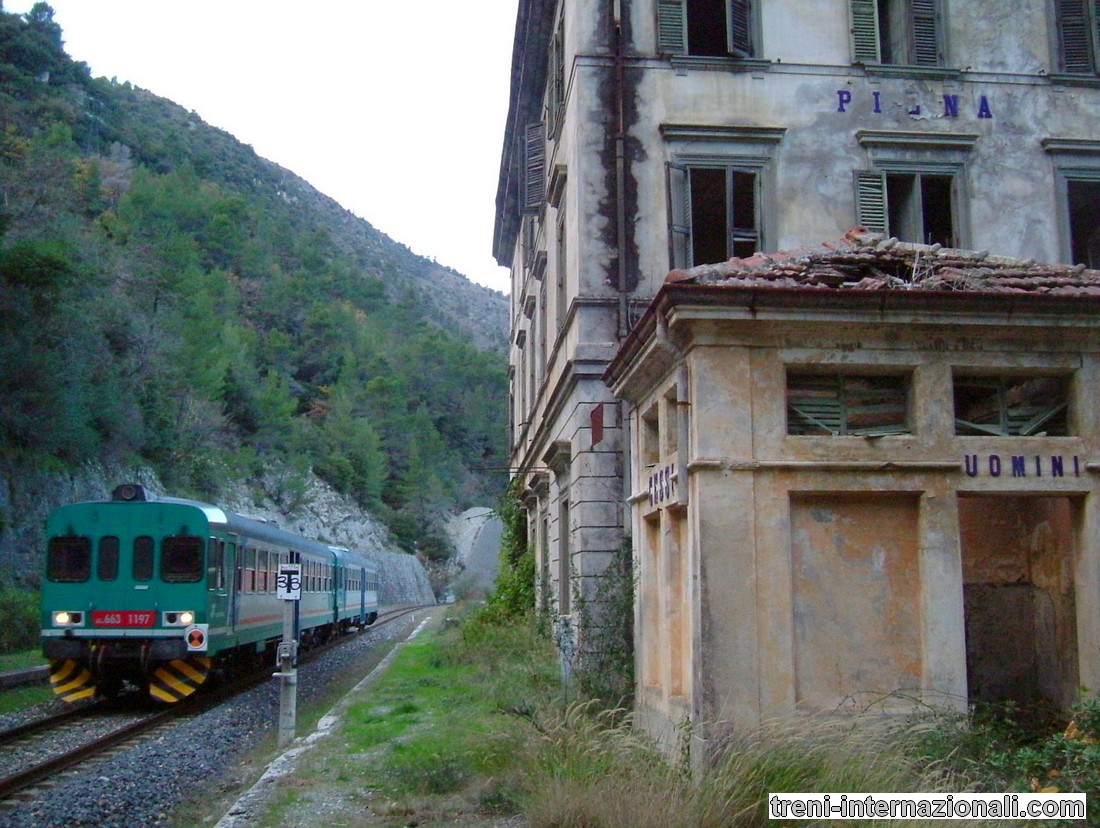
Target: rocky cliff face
x,y
27,498
475,534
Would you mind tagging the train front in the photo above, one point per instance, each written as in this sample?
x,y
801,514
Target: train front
x,y
126,603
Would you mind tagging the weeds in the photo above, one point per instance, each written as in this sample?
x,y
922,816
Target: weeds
x,y
19,622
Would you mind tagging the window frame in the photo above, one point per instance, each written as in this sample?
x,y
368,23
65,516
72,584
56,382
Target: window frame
x,y
59,567
170,557
1001,384
924,34
841,381
1075,40
912,153
742,25
874,206
736,149
1074,160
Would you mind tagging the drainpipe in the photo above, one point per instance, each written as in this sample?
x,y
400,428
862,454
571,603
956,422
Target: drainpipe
x,y
620,165
620,236
682,408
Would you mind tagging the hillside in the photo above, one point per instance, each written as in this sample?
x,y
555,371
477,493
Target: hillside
x,y
169,300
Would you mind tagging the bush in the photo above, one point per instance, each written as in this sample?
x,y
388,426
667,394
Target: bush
x,y
19,624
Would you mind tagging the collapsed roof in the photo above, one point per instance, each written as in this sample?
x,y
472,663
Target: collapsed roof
x,y
863,260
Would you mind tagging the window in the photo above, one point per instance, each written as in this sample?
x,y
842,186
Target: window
x,y
1077,183
1077,24
215,573
1011,406
555,93
905,32
181,559
107,563
720,191
913,206
1083,203
534,170
707,28
846,404
143,558
716,215
69,558
561,295
565,589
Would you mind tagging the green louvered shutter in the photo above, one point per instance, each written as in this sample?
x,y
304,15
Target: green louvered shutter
x,y
925,28
678,209
871,200
1074,35
863,17
534,178
740,30
672,27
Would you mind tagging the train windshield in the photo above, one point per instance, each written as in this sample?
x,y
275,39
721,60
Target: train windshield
x,y
69,558
181,559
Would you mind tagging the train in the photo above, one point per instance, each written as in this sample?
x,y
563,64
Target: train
x,y
156,595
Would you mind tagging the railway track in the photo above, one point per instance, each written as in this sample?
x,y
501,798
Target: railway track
x,y
31,760
27,763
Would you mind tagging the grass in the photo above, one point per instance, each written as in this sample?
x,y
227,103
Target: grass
x,y
21,660
27,695
470,725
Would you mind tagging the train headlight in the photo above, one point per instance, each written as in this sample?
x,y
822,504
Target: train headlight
x,y
181,618
68,619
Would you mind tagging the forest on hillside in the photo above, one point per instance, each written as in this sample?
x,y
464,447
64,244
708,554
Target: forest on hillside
x,y
169,299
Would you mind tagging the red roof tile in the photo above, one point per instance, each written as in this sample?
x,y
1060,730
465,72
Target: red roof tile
x,y
863,260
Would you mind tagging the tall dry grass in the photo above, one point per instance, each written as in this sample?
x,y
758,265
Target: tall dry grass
x,y
586,769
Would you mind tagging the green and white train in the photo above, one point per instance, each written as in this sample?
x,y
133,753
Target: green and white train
x,y
160,593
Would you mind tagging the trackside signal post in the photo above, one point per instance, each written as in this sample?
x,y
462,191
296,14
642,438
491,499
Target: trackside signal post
x,y
288,587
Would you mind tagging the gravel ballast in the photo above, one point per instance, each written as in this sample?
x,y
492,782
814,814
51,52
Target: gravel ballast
x,y
198,756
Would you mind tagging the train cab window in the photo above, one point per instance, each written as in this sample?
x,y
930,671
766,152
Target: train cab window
x,y
181,559
143,558
69,558
107,562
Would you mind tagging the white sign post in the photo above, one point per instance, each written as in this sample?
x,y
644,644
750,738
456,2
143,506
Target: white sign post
x,y
288,587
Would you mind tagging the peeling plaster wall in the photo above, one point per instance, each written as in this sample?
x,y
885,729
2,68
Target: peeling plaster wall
x,y
856,598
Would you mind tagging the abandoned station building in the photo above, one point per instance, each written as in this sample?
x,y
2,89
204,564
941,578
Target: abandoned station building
x,y
852,489
865,472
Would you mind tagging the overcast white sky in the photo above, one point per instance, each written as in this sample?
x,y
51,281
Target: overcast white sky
x,y
394,109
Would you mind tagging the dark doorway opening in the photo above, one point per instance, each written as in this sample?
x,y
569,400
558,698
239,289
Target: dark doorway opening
x,y
1018,594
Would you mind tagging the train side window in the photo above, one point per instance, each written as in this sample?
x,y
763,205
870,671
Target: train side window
x,y
232,559
214,567
249,584
261,570
143,558
107,562
181,559
69,558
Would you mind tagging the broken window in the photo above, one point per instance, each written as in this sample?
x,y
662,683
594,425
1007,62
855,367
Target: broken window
x,y
707,28
846,404
1078,26
915,207
714,213
905,32
1011,406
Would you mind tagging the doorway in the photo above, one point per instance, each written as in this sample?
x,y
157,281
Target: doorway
x,y
1018,597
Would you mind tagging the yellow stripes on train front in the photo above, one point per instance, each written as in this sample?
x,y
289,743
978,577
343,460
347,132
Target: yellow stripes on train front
x,y
71,681
178,679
